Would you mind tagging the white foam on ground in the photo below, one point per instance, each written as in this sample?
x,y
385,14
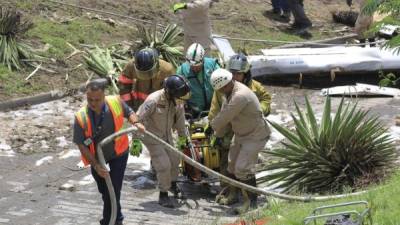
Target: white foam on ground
x,y
281,118
88,179
2,220
5,150
142,181
48,159
17,186
62,142
142,162
44,144
69,153
20,212
395,132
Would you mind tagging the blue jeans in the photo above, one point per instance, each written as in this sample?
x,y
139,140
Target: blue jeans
x,y
279,5
117,171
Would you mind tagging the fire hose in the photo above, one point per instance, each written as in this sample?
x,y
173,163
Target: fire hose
x,y
203,169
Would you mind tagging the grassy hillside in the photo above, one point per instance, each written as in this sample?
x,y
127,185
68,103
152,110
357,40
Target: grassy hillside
x,y
57,25
384,202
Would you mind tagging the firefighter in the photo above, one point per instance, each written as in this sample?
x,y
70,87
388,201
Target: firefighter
x,y
242,112
162,111
239,66
143,75
197,70
196,22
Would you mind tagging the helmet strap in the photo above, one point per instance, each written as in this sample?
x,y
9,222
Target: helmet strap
x,y
247,78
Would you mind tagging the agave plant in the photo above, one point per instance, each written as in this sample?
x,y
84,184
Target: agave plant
x,y
167,44
327,157
99,61
12,50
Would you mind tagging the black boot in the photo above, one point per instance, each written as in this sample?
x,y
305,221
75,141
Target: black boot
x,y
362,42
253,196
178,194
229,194
249,198
164,200
371,42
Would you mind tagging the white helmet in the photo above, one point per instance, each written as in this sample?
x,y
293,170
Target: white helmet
x,y
220,77
195,54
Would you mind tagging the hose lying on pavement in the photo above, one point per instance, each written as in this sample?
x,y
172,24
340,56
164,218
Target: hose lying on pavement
x,y
205,170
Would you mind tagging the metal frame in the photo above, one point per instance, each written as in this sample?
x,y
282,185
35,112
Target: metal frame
x,y
317,213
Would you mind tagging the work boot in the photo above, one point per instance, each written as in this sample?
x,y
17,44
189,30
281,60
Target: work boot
x,y
224,186
253,196
249,198
222,194
362,42
285,17
231,196
371,42
164,200
178,194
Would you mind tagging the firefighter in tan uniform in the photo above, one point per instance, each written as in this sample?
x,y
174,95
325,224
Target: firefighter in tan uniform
x,y
239,66
162,111
142,76
241,111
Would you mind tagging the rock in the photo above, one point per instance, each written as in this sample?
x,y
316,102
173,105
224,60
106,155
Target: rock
x,y
397,121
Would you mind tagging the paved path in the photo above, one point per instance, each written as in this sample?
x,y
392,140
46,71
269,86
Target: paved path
x,y
37,156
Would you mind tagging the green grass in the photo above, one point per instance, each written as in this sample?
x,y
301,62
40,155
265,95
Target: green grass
x,y
25,5
12,82
247,21
384,201
78,31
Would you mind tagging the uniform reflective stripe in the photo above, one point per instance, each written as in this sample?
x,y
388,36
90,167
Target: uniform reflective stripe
x,y
125,80
115,104
126,97
139,95
84,118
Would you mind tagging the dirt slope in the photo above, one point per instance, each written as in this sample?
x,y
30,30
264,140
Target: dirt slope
x,y
56,25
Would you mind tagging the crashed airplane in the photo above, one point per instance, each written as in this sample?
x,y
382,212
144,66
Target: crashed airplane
x,y
340,58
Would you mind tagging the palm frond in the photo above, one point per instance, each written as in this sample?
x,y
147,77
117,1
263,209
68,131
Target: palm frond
x,y
100,61
12,50
167,43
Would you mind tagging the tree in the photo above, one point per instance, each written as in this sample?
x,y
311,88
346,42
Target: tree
x,y
390,7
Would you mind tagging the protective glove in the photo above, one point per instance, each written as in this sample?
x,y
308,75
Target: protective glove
x,y
136,147
349,2
179,6
182,143
208,130
216,142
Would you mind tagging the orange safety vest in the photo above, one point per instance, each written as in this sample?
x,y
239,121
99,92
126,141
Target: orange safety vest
x,y
115,106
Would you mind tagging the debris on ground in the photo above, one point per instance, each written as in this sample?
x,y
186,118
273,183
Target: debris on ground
x,y
361,90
